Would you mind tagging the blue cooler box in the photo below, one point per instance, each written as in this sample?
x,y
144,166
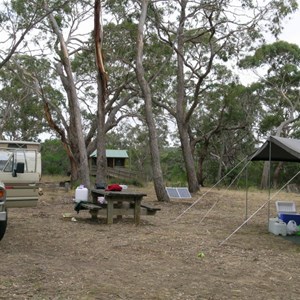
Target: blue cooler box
x,y
288,217
287,211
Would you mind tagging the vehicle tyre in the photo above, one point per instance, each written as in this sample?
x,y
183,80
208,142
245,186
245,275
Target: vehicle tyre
x,y
3,225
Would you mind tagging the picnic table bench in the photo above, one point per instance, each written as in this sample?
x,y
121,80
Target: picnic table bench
x,y
117,204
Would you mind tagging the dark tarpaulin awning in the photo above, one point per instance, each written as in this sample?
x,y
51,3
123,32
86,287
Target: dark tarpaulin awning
x,y
274,149
278,149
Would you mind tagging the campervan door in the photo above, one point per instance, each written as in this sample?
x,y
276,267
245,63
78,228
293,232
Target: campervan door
x,y
20,171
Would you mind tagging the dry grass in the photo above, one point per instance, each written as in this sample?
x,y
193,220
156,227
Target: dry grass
x,y
47,256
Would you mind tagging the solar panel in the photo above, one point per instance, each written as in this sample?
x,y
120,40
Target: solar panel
x,y
172,192
180,193
184,193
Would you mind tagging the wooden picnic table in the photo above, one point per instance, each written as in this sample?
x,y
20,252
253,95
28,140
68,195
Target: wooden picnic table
x,y
118,204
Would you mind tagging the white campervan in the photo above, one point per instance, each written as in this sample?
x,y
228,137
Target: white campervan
x,y
20,173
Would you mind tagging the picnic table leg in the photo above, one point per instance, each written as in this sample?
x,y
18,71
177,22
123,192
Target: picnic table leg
x,y
94,214
110,209
119,205
137,211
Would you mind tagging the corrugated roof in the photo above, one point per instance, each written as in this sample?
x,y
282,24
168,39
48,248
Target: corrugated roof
x,y
112,153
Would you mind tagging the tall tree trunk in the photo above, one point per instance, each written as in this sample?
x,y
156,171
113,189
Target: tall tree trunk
x,y
102,94
61,132
277,174
182,123
202,153
220,161
76,137
264,184
200,176
188,157
154,149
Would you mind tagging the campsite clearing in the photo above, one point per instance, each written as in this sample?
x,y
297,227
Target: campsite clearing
x,y
58,254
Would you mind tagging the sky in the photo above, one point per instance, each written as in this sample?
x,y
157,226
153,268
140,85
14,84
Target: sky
x,y
291,27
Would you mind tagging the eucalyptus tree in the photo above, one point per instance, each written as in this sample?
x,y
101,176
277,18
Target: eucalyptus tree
x,y
69,48
202,33
278,67
21,117
117,91
117,87
146,91
89,66
222,130
14,29
49,37
102,80
63,48
278,89
33,81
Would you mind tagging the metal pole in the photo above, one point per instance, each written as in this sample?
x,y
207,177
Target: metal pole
x,y
246,216
270,159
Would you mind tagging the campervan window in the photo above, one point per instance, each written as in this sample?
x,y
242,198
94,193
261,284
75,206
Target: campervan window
x,y
6,160
9,165
28,157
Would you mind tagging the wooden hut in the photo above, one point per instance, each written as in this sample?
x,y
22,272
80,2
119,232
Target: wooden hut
x,y
116,159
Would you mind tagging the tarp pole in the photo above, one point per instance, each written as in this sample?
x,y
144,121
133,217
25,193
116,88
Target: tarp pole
x,y
249,218
246,213
269,179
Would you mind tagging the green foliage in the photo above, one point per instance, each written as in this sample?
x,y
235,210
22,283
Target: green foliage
x,y
274,56
224,111
29,11
245,175
117,49
54,158
278,90
3,17
20,96
270,121
173,166
289,170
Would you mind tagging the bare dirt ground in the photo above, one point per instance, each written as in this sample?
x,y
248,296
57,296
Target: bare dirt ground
x,y
46,256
